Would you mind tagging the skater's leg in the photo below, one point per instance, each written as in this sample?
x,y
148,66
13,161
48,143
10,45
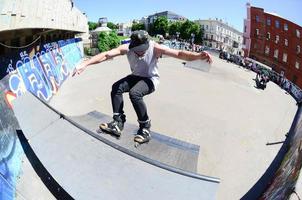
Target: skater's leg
x,y
136,94
142,88
118,88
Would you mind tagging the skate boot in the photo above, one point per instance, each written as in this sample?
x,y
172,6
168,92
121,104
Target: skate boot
x,y
116,126
143,134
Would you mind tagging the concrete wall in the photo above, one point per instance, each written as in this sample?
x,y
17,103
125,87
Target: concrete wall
x,y
31,14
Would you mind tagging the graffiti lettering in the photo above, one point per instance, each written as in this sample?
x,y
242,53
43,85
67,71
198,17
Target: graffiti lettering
x,y
45,72
10,68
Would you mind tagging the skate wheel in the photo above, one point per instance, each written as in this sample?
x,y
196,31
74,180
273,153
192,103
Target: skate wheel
x,y
136,144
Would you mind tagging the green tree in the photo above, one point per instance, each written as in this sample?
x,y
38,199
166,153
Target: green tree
x,y
189,27
195,29
112,26
92,25
137,26
113,40
108,41
161,25
199,36
103,42
185,30
174,27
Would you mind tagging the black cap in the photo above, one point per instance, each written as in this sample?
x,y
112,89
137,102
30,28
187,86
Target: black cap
x,y
139,41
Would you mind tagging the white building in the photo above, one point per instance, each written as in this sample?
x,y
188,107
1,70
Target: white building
x,y
124,29
102,26
220,35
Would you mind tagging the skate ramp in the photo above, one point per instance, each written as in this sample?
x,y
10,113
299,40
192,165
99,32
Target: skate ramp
x,y
161,148
88,166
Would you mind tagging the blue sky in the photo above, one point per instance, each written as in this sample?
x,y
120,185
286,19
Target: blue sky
x,y
232,11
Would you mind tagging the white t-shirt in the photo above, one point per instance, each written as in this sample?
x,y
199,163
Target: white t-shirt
x,y
145,66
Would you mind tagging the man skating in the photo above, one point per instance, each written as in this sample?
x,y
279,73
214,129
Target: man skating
x,y
143,56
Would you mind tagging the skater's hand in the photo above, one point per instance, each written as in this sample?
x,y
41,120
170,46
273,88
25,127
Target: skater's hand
x,y
79,69
206,56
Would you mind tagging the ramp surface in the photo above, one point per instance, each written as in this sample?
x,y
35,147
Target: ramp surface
x,y
87,168
162,148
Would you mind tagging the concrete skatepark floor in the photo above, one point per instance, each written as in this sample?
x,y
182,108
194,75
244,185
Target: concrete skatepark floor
x,y
220,110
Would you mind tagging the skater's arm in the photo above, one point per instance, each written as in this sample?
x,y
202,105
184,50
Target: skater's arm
x,y
121,50
181,54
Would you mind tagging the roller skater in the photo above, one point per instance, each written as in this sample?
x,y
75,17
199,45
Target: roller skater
x,y
143,57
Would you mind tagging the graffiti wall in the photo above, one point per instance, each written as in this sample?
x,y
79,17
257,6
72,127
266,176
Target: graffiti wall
x,y
285,178
281,184
40,69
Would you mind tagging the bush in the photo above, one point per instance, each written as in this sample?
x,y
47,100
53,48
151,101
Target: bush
x,y
108,41
87,51
113,40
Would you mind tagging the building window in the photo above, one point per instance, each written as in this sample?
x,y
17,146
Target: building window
x,y
245,29
257,31
268,35
285,27
257,18
277,39
285,42
297,65
298,33
298,49
207,27
268,22
276,52
277,24
266,50
284,57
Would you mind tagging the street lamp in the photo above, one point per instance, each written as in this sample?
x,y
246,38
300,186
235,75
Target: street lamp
x,y
192,41
192,37
90,40
177,35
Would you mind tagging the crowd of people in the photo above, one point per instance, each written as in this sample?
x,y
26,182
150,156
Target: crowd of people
x,y
183,45
262,74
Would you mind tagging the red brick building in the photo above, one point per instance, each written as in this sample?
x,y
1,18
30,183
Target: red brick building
x,y
274,41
